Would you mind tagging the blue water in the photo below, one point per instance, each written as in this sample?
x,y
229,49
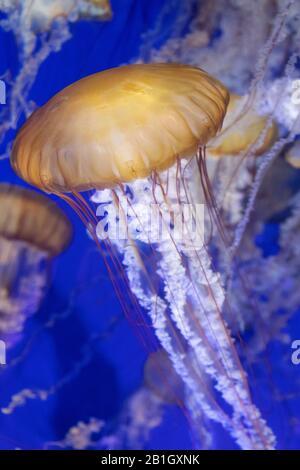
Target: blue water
x,y
116,368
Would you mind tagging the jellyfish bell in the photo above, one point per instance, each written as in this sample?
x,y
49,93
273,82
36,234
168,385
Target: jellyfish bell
x,y
32,231
235,154
107,128
30,217
161,379
243,129
98,9
131,134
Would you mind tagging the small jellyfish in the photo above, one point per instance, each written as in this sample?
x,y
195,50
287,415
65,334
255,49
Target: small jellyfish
x,y
161,379
137,135
32,231
250,129
166,388
40,27
232,162
43,12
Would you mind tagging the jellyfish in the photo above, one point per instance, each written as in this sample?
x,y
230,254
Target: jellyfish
x,y
232,155
250,126
41,13
144,410
137,136
163,382
32,231
164,387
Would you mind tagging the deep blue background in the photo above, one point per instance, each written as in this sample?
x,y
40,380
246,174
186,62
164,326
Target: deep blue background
x,y
81,293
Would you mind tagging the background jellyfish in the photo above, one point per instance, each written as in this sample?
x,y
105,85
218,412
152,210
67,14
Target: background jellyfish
x,y
40,14
40,27
187,318
32,231
142,413
145,409
246,136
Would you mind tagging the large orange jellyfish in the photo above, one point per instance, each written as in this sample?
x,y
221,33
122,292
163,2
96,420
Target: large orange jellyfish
x,y
137,135
32,231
